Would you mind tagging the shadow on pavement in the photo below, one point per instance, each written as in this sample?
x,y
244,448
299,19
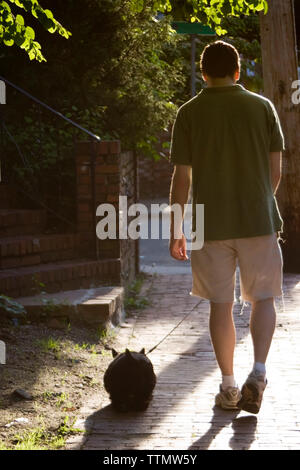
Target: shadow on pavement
x,y
244,430
183,371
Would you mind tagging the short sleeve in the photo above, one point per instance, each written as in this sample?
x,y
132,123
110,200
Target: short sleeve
x,y
277,139
180,141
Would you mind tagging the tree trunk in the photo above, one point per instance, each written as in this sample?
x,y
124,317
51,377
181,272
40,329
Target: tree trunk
x,y
279,56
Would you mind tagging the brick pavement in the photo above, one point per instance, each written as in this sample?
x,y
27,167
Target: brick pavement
x,y
182,415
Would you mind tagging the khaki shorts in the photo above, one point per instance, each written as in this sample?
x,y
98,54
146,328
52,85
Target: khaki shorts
x,y
260,265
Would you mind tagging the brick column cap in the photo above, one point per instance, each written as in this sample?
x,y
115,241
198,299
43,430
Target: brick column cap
x,y
103,147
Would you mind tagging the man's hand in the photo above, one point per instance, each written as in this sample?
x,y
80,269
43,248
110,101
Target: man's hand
x,y
177,247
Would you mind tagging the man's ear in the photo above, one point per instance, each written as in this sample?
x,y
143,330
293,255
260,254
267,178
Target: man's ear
x,y
237,75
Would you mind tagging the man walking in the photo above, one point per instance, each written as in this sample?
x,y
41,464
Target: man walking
x,y
227,144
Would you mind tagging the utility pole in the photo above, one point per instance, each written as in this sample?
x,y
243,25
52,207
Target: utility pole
x,y
279,57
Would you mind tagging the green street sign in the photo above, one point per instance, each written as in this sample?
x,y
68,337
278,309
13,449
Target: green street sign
x,y
182,27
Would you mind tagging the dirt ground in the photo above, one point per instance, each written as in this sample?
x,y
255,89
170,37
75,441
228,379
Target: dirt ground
x,y
59,367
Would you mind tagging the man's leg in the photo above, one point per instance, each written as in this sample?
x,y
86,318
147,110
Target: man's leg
x,y
213,269
260,262
262,326
222,332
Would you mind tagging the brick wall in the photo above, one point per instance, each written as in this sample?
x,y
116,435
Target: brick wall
x,y
154,177
114,175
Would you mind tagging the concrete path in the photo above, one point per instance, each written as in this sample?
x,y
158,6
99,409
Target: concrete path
x,y
182,415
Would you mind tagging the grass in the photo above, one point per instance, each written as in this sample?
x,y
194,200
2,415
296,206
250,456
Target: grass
x,y
86,346
106,334
136,303
133,300
61,399
48,395
40,439
34,439
105,353
49,344
79,347
61,385
66,429
52,345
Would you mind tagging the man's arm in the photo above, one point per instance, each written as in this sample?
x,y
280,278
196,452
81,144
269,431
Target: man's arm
x,y
275,169
179,194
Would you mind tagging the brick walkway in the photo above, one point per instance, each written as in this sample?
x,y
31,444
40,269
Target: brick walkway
x,y
182,414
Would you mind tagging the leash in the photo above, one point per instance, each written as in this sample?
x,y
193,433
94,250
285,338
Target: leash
x,y
170,332
173,329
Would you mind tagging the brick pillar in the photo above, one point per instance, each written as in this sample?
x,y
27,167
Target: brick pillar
x,y
113,176
127,188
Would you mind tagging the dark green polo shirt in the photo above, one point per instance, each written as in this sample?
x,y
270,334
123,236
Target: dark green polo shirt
x,y
226,134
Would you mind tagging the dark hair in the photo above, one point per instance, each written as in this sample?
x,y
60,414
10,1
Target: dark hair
x,y
219,59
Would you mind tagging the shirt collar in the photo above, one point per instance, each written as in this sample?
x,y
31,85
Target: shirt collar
x,y
220,89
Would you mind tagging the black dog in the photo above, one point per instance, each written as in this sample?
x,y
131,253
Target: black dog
x,y
130,380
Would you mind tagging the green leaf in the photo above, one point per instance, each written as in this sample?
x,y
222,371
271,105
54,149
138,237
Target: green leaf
x,y
18,3
31,54
29,33
8,42
20,20
266,7
49,14
25,44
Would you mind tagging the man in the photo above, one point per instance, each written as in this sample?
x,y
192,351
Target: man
x,y
227,144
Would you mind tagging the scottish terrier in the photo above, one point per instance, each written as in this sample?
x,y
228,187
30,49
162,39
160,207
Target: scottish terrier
x,y
130,380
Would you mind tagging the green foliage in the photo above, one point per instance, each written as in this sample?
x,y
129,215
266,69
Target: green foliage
x,y
83,346
40,439
122,75
46,143
136,303
31,440
133,299
61,399
67,428
13,29
210,12
49,344
117,76
244,34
